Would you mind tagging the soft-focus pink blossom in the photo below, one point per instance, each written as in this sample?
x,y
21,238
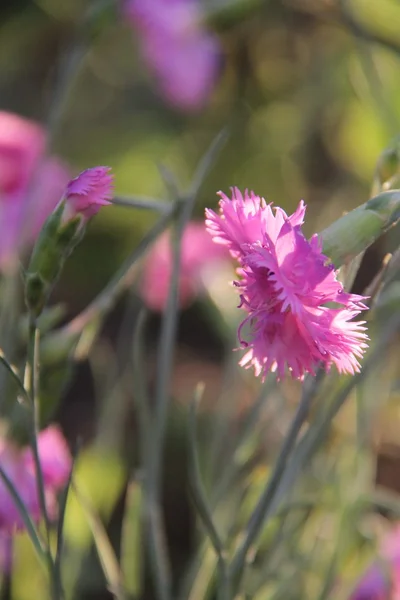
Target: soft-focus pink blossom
x,y
382,580
197,253
181,53
298,314
19,466
55,457
30,184
89,191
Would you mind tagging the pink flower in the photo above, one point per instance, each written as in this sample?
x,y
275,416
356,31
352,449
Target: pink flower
x,y
19,466
287,287
30,184
197,254
88,192
55,457
182,55
382,580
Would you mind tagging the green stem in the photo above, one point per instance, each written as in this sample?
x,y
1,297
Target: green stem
x,y
264,506
32,383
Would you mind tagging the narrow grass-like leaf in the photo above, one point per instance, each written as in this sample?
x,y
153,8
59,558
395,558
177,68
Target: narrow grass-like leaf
x,y
60,526
197,488
12,370
142,203
207,161
104,548
131,540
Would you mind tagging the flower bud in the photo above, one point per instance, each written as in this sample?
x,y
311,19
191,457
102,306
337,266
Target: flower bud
x,y
62,231
354,232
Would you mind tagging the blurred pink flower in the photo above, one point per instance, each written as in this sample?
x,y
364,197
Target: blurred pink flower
x,y
55,457
30,184
197,253
89,191
285,286
382,580
19,466
182,54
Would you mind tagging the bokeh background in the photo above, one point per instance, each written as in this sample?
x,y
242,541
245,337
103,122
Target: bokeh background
x,y
309,92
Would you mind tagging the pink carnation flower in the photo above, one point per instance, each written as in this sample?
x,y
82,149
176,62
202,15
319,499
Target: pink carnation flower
x,y
287,287
30,184
182,55
197,254
18,464
382,580
89,191
55,458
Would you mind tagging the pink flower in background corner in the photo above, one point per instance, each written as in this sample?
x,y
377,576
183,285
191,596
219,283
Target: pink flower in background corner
x,y
30,184
285,286
381,581
177,48
89,191
19,466
197,254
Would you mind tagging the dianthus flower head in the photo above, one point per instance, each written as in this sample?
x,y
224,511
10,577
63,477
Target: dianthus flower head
x,y
177,48
298,314
89,191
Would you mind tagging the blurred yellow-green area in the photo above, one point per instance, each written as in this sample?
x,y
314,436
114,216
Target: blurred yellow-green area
x,y
309,93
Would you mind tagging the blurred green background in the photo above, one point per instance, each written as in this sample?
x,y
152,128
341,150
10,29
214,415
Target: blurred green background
x,y
309,90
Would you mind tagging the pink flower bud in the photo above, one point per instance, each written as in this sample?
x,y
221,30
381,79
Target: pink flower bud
x,y
88,192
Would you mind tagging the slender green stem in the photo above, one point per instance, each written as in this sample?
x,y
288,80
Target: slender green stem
x,y
141,396
152,488
264,506
156,536
33,360
63,340
142,203
60,534
200,499
32,385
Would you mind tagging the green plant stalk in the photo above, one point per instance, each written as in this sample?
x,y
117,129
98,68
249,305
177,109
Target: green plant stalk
x,y
108,559
154,464
314,437
155,530
32,372
60,343
142,203
60,532
200,499
263,509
